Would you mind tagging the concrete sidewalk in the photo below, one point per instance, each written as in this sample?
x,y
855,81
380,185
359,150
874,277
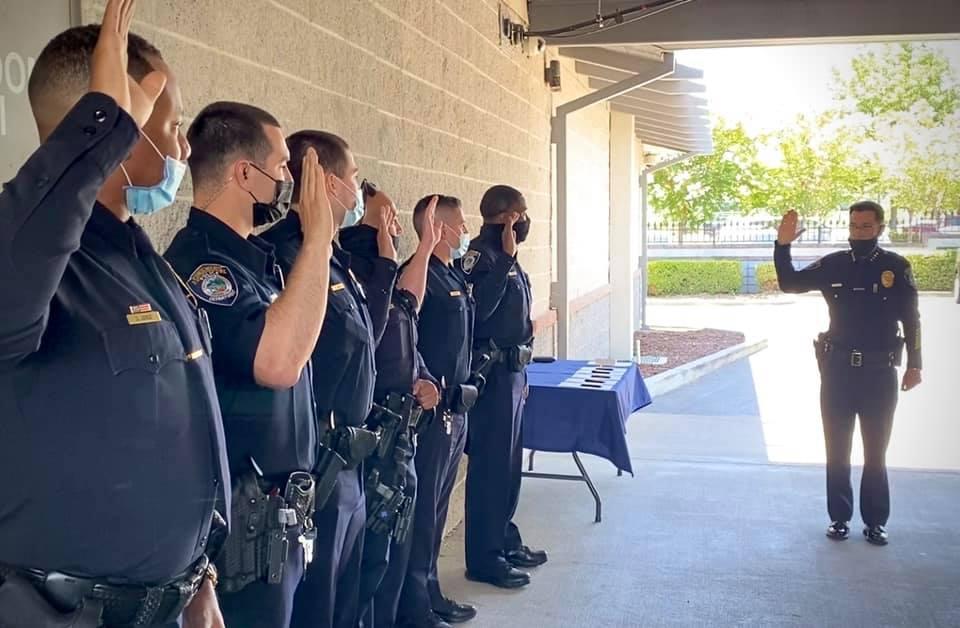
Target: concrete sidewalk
x,y
720,526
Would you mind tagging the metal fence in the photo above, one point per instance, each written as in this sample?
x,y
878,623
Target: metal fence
x,y
742,232
763,231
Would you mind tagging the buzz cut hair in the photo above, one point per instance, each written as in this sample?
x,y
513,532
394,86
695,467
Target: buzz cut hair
x,y
61,74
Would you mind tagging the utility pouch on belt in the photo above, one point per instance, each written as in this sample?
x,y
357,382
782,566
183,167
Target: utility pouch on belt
x,y
463,398
518,358
258,546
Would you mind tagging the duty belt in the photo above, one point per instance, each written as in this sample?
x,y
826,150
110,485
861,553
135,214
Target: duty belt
x,y
856,358
123,604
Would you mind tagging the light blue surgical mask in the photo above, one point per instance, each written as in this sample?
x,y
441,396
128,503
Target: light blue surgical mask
x,y
460,251
147,199
352,215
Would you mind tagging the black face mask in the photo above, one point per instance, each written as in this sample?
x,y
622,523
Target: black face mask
x,y
862,248
266,213
522,228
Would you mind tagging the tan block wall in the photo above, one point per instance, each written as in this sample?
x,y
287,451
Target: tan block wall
x,y
421,89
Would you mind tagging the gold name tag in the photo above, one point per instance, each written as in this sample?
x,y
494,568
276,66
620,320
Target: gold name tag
x,y
456,293
337,287
512,273
144,318
195,355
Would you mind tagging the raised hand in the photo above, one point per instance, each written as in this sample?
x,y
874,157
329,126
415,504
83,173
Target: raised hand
x,y
788,232
315,216
509,235
108,67
432,229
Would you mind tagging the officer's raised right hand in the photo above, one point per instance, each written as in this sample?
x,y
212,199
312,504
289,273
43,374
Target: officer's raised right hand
x,y
108,71
509,235
788,233
316,219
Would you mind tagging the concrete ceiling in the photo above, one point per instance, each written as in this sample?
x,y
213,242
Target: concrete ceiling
x,y
716,23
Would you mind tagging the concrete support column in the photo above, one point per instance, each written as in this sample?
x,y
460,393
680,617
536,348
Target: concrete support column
x,y
624,225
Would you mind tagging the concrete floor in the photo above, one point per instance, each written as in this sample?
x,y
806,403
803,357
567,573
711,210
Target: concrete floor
x,y
723,523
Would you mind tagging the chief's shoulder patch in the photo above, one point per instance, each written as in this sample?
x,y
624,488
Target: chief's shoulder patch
x,y
470,261
214,283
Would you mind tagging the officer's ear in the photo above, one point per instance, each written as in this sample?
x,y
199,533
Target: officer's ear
x,y
242,174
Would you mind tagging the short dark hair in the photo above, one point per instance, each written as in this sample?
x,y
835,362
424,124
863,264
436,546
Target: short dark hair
x,y
223,132
331,153
868,206
497,200
62,71
421,207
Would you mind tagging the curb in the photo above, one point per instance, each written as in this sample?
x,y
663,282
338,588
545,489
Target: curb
x,y
667,381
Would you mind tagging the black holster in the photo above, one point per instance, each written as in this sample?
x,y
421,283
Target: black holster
x,y
23,606
263,518
389,509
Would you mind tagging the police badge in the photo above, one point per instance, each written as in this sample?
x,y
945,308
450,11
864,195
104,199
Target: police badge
x,y
470,261
887,278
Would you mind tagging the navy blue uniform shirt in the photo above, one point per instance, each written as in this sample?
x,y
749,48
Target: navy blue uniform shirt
x,y
867,297
112,448
237,279
344,354
446,324
500,289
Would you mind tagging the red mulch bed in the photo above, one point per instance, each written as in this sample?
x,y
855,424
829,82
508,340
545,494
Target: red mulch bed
x,y
682,346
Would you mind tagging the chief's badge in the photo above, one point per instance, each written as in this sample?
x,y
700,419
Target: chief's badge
x,y
214,283
470,261
887,278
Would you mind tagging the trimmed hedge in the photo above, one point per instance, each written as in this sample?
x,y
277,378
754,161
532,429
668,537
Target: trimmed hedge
x,y
934,272
672,278
767,277
692,277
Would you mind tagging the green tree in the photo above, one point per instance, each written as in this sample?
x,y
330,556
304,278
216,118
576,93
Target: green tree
x,y
692,192
820,170
904,78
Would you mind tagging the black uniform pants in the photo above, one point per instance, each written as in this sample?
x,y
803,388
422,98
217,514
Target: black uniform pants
x,y
437,460
263,605
845,393
329,595
383,568
494,468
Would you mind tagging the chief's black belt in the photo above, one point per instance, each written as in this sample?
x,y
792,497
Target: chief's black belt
x,y
123,604
855,358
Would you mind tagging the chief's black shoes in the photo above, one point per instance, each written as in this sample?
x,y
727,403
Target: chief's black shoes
x,y
876,535
838,531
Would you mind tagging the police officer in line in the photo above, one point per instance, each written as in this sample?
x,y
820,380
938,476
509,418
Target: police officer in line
x,y
870,292
503,335
264,327
446,344
92,317
406,395
343,387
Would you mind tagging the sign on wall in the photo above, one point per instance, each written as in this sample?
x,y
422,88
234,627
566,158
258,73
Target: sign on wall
x,y
25,28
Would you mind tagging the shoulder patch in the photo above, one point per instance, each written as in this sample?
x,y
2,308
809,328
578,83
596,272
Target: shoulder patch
x,y
908,275
470,261
214,283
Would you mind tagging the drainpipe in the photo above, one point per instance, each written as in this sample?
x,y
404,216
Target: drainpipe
x,y
560,290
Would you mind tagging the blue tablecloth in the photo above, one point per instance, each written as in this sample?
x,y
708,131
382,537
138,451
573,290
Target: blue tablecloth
x,y
581,406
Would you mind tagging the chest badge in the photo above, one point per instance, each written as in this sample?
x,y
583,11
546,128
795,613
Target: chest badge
x,y
470,261
214,283
887,278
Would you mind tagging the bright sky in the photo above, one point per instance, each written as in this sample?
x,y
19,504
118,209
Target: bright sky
x,y
766,87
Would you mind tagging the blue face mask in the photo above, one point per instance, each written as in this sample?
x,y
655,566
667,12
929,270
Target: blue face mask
x,y
142,200
461,250
354,214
